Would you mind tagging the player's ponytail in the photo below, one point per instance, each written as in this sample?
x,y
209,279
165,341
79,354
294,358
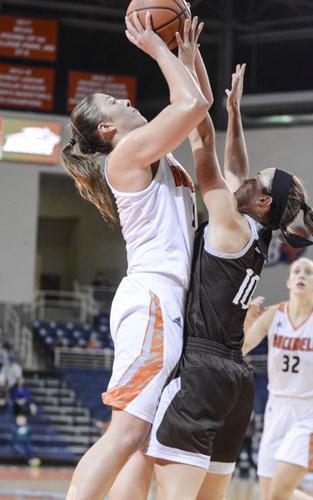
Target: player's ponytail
x,y
307,217
86,170
297,202
83,157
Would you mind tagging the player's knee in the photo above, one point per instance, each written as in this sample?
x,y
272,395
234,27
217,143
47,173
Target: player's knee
x,y
167,490
126,492
133,440
172,490
172,494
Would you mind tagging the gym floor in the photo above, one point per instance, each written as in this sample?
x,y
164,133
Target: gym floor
x,y
18,483
25,483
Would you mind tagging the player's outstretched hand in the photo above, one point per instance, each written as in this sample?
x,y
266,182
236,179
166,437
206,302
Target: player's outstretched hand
x,y
144,38
235,93
187,47
255,310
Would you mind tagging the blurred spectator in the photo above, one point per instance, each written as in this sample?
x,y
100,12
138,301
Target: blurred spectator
x,y
12,372
4,355
4,399
22,404
21,441
94,342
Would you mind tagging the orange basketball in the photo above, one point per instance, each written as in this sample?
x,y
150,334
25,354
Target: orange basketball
x,y
167,17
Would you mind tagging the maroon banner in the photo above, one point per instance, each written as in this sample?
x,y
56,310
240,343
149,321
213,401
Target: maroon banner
x,y
27,38
26,87
82,83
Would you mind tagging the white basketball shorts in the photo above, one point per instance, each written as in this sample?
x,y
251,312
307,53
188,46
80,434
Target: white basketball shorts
x,y
287,435
147,331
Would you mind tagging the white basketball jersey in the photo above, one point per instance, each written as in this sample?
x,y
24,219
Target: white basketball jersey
x,y
158,223
290,356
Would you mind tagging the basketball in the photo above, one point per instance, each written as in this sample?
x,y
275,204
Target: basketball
x,y
167,17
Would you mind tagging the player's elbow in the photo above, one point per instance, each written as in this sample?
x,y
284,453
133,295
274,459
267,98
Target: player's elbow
x,y
202,107
197,108
202,144
210,101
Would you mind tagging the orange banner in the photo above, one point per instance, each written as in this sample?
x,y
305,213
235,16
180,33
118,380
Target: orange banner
x,y
27,38
26,87
82,83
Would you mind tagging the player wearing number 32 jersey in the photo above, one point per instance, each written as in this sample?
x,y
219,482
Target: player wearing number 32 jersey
x,y
286,451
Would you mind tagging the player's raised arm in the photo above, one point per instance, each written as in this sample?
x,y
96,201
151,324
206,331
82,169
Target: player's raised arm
x,y
203,78
236,162
255,310
190,56
187,107
216,193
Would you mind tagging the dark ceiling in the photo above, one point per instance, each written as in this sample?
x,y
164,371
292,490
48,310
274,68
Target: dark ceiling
x,y
274,37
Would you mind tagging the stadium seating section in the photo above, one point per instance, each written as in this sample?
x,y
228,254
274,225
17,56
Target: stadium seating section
x,y
69,334
69,417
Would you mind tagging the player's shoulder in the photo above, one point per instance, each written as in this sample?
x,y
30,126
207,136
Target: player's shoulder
x,y
273,310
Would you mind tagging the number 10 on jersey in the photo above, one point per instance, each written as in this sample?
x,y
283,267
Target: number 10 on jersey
x,y
246,290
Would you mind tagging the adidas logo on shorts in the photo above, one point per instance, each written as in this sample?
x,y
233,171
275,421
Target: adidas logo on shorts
x,y
178,321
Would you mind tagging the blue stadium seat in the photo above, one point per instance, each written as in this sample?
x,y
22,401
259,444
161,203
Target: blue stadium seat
x,y
81,380
70,334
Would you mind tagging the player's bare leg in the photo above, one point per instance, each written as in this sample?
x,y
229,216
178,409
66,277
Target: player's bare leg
x,y
99,467
214,487
177,480
265,484
134,480
283,486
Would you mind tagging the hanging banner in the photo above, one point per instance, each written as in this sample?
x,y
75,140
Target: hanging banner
x,y
27,38
26,87
82,83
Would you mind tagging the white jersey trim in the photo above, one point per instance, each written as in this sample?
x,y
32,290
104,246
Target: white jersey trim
x,y
292,326
223,468
236,255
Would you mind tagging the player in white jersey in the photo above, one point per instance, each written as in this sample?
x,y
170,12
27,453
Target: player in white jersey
x,y
154,198
286,450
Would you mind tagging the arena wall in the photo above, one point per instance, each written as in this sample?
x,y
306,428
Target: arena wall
x,y
45,224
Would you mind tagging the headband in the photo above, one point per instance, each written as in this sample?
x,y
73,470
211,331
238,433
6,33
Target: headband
x,y
280,190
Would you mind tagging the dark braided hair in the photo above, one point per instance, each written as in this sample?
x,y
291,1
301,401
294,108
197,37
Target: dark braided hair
x,y
297,200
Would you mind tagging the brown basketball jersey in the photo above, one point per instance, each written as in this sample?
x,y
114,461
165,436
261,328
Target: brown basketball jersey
x,y
221,288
